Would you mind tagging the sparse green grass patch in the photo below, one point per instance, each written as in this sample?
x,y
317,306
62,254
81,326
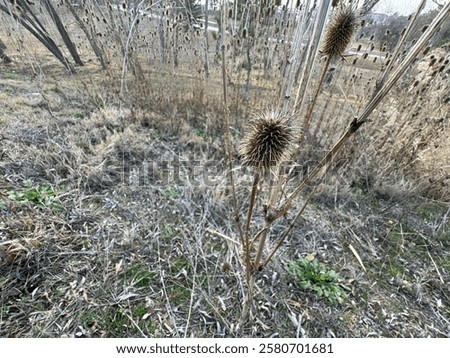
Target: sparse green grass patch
x,y
140,275
178,293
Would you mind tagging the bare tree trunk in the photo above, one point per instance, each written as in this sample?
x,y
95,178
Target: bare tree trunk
x,y
62,30
33,25
97,50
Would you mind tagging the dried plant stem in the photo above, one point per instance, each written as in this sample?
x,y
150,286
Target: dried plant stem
x,y
409,59
247,246
228,150
127,48
400,44
373,103
247,302
288,230
262,243
314,99
312,51
276,189
325,160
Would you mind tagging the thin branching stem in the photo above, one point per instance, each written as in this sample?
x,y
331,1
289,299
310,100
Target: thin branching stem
x,y
289,229
314,98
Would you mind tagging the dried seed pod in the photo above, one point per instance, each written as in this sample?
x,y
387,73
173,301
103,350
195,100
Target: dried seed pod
x,y
267,142
339,32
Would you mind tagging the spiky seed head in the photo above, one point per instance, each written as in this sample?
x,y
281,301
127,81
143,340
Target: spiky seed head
x,y
268,141
339,32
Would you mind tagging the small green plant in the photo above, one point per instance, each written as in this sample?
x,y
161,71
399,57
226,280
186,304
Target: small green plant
x,y
169,232
170,192
200,132
79,115
141,276
2,281
312,275
43,196
11,76
361,187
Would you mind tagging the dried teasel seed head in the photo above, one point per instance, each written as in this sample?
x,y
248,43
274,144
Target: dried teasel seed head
x,y
268,141
339,32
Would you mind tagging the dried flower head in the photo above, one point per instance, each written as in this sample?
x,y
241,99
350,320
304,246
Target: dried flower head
x,y
268,141
339,32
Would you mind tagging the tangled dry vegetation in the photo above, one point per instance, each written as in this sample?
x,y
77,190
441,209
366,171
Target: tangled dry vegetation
x,y
115,209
